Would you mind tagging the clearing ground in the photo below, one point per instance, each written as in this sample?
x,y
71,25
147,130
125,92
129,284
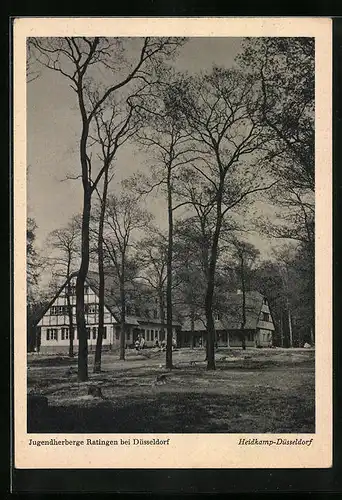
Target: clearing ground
x,y
252,391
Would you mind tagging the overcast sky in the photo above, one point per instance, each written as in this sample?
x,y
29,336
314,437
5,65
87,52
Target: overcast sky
x,y
53,127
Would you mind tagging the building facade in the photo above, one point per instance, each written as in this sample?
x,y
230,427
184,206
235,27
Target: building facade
x,y
258,330
54,326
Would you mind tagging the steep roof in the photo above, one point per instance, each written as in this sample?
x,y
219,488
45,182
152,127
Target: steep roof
x,y
47,306
111,299
231,317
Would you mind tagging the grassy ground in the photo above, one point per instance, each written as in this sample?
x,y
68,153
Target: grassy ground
x,y
252,391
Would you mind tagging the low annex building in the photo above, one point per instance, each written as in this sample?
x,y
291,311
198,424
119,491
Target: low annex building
x,y
258,330
142,317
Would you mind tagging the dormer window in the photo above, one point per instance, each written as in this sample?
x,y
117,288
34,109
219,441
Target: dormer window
x,y
91,308
265,317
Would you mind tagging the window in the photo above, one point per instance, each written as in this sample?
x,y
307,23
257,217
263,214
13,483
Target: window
x,y
52,334
91,308
265,316
70,290
152,334
88,333
162,335
265,300
104,332
137,311
86,289
128,335
59,310
155,313
94,332
65,334
251,336
147,334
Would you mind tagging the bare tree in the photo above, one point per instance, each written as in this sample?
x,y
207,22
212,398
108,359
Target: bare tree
x,y
79,60
32,72
151,257
123,217
220,111
33,269
284,70
115,125
33,262
67,243
166,140
190,267
245,253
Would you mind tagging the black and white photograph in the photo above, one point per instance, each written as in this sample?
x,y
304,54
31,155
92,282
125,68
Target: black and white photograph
x,y
170,236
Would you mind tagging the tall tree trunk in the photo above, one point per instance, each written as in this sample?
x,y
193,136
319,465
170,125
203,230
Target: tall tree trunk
x,y
80,282
289,319
205,257
70,315
312,338
123,310
281,329
98,348
169,274
209,305
162,312
210,328
211,284
243,322
192,319
313,315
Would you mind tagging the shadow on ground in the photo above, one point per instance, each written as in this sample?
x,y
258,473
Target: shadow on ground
x,y
179,413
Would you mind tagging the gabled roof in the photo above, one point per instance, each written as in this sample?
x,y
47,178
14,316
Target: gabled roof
x,y
45,309
136,291
111,299
231,317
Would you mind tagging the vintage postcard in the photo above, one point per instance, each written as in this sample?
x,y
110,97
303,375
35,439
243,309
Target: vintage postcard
x,y
172,243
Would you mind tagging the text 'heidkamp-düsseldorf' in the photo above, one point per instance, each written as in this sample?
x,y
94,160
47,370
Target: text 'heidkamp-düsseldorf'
x,y
277,442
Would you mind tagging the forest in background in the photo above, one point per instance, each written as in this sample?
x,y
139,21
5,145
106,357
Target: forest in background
x,y
216,144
